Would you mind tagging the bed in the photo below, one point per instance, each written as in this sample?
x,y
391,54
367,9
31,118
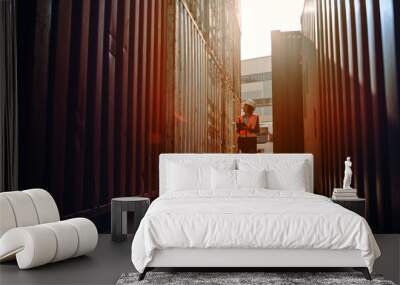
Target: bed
x,y
249,210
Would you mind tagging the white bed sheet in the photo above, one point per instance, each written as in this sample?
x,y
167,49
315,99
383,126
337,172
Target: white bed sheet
x,y
250,218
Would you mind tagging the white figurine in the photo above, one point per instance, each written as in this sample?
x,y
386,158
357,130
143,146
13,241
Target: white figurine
x,y
347,174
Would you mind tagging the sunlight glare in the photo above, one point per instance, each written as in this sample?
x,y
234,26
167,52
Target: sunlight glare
x,y
260,17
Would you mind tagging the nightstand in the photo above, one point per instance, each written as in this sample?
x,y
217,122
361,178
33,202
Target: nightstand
x,y
355,205
119,208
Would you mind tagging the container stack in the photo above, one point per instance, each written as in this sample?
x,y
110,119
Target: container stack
x,y
204,74
344,194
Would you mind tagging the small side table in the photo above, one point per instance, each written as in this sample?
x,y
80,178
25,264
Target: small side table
x,y
119,208
355,205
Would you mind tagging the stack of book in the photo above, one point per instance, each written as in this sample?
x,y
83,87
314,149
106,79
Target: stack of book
x,y
344,194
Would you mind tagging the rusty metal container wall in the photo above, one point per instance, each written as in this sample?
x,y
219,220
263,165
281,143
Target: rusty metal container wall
x,y
109,85
207,66
351,72
287,103
150,107
311,103
96,73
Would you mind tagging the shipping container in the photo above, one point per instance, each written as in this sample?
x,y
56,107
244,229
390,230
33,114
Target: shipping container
x,y
107,85
351,75
207,68
287,98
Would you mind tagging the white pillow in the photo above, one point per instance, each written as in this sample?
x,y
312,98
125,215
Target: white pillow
x,y
293,178
206,161
281,174
188,177
223,179
251,178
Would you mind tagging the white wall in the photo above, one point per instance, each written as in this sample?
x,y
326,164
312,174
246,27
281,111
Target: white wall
x,y
256,65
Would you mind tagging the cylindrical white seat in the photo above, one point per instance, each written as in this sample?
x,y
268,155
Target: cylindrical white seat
x,y
45,205
23,208
87,235
7,220
31,232
37,245
32,246
26,208
67,240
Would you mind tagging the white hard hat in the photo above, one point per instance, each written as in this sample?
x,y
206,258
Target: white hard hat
x,y
250,102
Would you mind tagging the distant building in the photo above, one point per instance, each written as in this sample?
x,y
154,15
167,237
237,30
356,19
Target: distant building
x,y
256,83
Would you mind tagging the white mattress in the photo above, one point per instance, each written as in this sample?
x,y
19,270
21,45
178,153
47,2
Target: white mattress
x,y
251,219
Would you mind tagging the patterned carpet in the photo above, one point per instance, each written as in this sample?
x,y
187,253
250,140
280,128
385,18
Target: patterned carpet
x,y
231,278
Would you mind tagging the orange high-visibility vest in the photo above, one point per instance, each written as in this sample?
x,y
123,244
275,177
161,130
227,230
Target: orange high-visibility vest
x,y
251,123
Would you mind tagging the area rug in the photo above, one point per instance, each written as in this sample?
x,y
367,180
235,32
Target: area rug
x,y
269,278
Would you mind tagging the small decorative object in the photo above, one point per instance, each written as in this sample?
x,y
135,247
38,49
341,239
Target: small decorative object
x,y
347,174
346,192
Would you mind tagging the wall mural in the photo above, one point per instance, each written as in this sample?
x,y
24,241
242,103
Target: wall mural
x,y
105,86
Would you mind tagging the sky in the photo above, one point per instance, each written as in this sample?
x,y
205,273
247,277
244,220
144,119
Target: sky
x,y
260,17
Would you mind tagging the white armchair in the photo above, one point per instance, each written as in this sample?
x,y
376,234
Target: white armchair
x,y
31,230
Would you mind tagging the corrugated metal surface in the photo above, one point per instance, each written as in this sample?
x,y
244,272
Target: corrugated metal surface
x,y
311,102
108,85
207,75
287,101
351,75
148,84
8,98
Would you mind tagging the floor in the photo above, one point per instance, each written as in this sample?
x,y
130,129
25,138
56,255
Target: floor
x,y
389,262
103,266
110,260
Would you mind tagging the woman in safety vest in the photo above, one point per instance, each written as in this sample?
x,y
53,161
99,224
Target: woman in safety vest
x,y
248,126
